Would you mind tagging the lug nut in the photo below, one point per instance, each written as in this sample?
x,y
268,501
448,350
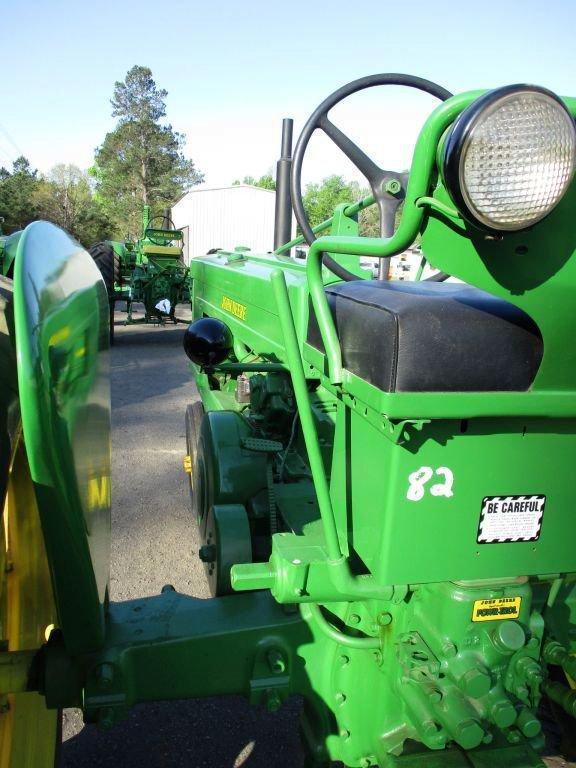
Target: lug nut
x,y
207,553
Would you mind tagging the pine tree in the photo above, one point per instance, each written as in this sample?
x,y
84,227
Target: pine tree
x,y
16,195
141,161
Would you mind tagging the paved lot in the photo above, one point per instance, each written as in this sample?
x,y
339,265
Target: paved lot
x,y
154,543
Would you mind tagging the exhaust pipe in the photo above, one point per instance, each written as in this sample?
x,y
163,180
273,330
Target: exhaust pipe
x,y
167,218
283,211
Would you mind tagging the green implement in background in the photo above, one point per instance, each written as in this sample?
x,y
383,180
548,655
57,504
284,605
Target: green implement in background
x,y
150,270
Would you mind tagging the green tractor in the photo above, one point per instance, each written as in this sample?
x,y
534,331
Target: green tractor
x,y
381,472
394,460
150,270
8,245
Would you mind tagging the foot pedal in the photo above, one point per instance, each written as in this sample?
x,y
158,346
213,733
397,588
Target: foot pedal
x,y
260,445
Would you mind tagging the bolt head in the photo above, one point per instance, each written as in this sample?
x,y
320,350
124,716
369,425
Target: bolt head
x,y
105,675
469,734
276,662
475,683
503,714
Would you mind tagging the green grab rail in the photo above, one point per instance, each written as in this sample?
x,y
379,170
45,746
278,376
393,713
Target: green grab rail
x,y
294,360
350,210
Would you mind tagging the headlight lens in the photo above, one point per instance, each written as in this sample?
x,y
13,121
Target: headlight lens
x,y
510,157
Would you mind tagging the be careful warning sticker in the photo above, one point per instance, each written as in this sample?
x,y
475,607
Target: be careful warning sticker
x,y
510,518
496,609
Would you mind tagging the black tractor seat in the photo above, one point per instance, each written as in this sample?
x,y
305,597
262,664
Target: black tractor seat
x,y
431,337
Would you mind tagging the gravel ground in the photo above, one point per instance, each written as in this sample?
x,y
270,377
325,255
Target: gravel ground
x,y
154,543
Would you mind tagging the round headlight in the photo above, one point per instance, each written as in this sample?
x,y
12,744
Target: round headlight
x,y
510,157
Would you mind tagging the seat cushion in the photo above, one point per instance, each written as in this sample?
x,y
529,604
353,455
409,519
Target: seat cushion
x,y
431,337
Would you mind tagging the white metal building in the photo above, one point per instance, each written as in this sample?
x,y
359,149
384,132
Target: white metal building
x,y
224,217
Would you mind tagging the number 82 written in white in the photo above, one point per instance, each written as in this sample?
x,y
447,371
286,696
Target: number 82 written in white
x,y
417,483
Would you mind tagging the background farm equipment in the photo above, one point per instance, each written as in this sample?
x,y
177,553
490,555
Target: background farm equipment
x,y
381,472
8,245
150,270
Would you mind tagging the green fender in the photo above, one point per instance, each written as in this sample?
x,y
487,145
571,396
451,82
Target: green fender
x,y
61,321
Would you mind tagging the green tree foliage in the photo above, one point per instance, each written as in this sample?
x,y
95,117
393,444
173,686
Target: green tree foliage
x,y
65,197
17,189
141,161
266,181
369,219
321,199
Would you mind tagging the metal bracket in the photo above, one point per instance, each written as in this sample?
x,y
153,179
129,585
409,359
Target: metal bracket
x,y
270,681
399,432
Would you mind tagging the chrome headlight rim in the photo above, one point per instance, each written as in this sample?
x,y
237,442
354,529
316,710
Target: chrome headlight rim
x,y
458,140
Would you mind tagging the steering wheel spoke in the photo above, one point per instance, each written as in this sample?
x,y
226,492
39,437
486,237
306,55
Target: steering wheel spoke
x,y
373,173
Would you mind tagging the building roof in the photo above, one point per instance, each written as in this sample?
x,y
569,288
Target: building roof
x,y
208,188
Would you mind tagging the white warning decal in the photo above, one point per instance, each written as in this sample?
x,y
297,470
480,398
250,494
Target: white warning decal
x,y
510,518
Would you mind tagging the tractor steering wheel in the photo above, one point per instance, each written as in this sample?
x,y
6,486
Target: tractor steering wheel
x,y
162,219
388,187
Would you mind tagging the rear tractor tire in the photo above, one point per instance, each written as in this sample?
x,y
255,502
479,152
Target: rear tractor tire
x,y
108,262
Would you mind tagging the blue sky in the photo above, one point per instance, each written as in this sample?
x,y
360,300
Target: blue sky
x,y
234,69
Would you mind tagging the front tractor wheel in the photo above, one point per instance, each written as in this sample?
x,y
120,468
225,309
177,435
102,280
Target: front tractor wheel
x,y
194,416
108,262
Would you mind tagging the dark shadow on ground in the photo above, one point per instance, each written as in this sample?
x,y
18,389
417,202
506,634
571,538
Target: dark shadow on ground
x,y
214,733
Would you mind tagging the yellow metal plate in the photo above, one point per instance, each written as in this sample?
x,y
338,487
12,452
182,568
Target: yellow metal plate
x,y
496,609
29,733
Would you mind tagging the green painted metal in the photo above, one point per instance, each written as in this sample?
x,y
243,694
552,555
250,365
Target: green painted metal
x,y
61,323
426,635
